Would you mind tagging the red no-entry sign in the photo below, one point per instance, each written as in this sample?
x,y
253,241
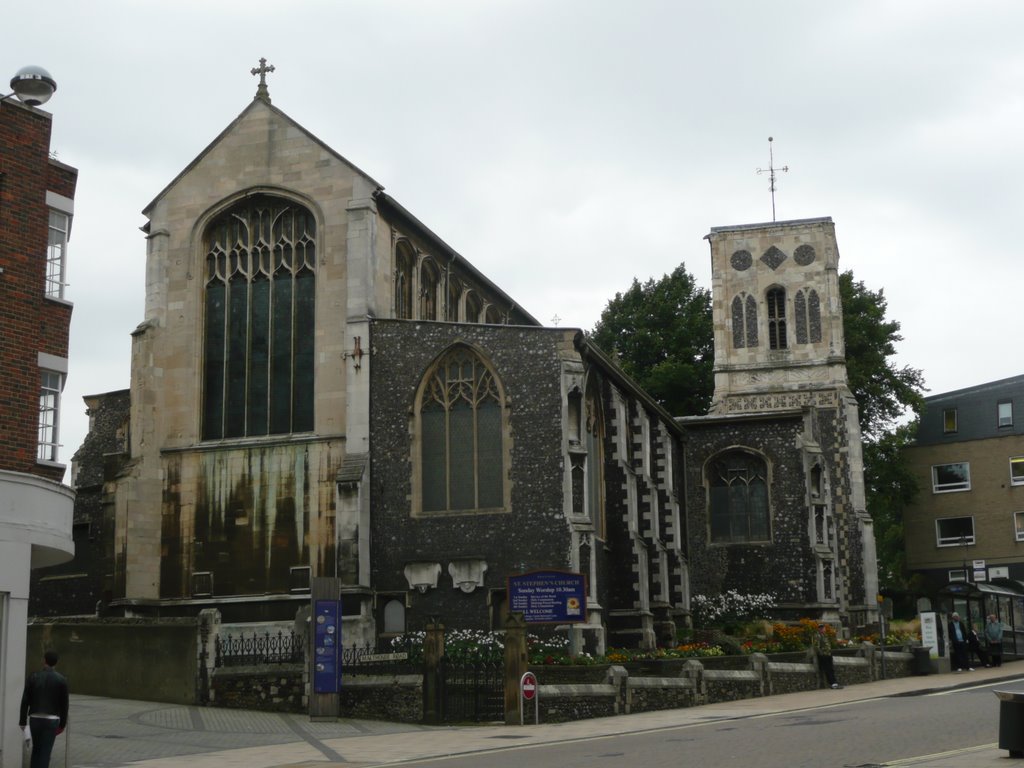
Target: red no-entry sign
x,y
529,686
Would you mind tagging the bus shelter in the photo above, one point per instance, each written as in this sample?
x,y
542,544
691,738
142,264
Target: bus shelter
x,y
975,601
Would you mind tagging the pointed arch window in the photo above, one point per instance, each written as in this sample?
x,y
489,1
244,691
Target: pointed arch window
x,y
776,299
472,307
738,498
259,320
405,258
492,315
428,290
452,304
807,308
594,440
744,321
461,425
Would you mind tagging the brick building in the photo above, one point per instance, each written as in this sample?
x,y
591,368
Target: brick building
x,y
36,204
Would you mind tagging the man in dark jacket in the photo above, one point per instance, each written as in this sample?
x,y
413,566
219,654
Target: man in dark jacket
x,y
958,639
44,706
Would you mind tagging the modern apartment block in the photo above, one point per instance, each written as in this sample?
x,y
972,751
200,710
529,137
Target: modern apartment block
x,y
36,207
967,524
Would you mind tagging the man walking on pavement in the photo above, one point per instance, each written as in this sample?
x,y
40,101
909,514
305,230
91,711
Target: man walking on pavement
x,y
44,707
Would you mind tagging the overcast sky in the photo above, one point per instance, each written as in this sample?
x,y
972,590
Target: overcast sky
x,y
565,148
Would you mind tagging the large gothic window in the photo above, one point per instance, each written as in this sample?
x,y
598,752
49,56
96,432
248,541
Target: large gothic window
x,y
259,320
744,321
807,308
776,298
738,495
461,418
405,257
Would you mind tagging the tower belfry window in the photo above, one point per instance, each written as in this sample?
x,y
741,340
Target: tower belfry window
x,y
259,320
776,299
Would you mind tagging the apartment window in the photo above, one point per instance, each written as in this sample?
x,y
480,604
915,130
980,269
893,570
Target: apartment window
x,y
951,477
1018,525
56,254
1004,414
49,415
1017,470
949,420
954,531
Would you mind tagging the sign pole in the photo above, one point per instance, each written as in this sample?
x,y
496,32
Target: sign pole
x,y
528,691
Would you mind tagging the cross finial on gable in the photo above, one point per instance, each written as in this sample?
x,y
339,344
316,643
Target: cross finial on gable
x,y
262,70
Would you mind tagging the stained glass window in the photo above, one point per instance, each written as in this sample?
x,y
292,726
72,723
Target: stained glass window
x,y
461,448
738,492
259,320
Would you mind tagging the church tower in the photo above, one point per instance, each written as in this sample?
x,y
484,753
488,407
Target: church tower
x,y
792,494
777,315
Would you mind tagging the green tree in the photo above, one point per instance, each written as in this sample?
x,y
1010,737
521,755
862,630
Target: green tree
x,y
660,332
884,391
890,487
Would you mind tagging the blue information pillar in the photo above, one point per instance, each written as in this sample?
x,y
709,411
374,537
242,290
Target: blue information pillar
x,y
327,646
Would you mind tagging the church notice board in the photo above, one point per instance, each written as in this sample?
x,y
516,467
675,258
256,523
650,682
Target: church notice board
x,y
327,645
548,597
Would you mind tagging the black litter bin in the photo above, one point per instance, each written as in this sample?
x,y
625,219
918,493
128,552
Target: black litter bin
x,y
922,662
1011,721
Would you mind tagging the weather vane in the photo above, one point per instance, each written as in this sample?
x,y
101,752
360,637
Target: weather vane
x,y
262,70
771,170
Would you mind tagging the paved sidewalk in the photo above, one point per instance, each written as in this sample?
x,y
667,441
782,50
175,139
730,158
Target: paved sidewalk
x,y
112,732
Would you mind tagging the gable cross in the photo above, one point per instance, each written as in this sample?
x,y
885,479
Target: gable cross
x,y
262,70
770,170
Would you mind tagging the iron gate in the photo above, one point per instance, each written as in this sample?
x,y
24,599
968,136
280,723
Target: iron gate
x,y
470,691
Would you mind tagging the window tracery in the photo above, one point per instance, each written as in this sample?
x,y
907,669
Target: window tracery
x,y
259,319
461,418
738,498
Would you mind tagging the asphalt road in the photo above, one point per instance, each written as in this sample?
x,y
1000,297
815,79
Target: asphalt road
x,y
856,734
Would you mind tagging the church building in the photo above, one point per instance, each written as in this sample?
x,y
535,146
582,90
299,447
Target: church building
x,y
322,387
775,472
